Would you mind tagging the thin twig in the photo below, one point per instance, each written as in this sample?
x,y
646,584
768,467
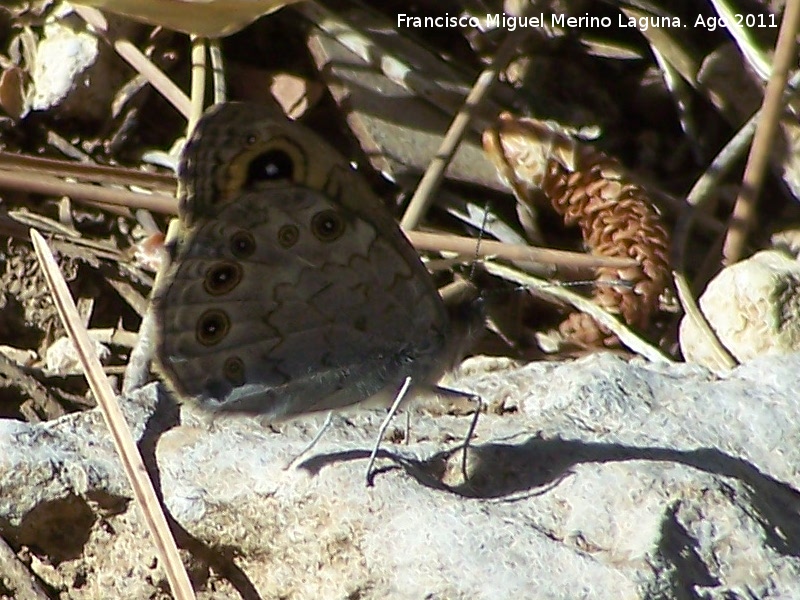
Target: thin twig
x,y
88,172
53,186
733,150
744,211
166,204
696,200
131,460
706,185
134,57
465,246
218,84
435,172
45,175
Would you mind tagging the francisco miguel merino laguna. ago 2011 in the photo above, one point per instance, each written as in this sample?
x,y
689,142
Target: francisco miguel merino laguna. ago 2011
x,y
511,22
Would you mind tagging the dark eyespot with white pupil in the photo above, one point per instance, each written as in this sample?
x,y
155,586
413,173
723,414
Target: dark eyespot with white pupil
x,y
242,244
273,165
212,326
222,277
327,226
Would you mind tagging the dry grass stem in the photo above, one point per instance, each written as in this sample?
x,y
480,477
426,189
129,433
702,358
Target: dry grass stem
x,y
468,247
744,211
423,195
87,172
53,186
134,57
129,455
725,361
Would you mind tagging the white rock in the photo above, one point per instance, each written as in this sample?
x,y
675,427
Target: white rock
x,y
74,75
753,307
602,480
61,56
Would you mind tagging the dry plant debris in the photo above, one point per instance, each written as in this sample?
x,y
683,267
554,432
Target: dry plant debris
x,y
662,100
638,104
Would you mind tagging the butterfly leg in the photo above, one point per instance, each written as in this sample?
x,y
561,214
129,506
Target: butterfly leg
x,y
470,432
392,411
478,402
313,442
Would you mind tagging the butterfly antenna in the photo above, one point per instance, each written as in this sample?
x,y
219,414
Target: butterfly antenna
x,y
486,212
617,283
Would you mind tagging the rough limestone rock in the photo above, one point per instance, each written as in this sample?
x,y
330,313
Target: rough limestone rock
x,y
592,479
75,73
753,307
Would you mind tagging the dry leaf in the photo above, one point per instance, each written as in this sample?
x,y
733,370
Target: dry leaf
x,y
12,92
295,94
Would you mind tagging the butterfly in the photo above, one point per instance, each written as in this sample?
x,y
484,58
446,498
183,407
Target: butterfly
x,y
289,288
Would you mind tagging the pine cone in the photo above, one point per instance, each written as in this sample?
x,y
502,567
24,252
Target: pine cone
x,y
590,190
